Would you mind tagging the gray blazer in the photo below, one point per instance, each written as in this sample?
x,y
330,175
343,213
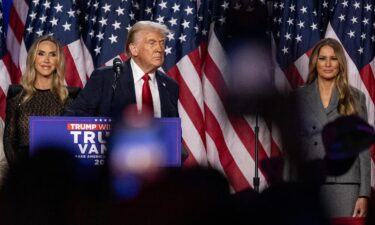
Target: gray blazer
x,y
313,117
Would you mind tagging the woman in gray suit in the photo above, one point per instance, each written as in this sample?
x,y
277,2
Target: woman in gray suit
x,y
326,96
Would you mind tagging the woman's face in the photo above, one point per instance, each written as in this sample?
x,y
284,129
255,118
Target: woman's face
x,y
327,64
46,58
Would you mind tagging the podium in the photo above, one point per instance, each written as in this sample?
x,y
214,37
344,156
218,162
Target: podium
x,y
90,138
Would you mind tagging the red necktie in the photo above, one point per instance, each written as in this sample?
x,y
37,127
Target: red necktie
x,y
146,94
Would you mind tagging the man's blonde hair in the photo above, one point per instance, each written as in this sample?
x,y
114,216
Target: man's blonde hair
x,y
144,25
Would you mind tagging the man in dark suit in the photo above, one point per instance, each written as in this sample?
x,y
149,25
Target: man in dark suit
x,y
139,81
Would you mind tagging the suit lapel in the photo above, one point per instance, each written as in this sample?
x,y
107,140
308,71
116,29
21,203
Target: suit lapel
x,y
127,82
315,103
331,110
125,91
163,94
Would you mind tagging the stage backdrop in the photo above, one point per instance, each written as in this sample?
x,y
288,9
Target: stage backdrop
x,y
202,49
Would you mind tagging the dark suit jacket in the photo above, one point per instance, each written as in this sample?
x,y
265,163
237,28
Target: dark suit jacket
x,y
313,117
99,99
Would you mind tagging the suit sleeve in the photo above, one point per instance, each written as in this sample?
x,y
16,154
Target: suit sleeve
x,y
364,156
88,99
73,92
175,95
169,94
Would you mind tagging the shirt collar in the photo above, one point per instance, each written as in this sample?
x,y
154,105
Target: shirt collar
x,y
138,72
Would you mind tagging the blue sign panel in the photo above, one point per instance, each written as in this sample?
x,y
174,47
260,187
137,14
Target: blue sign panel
x,y
89,138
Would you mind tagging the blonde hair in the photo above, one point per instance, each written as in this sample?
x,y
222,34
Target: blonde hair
x,y
144,25
347,105
58,76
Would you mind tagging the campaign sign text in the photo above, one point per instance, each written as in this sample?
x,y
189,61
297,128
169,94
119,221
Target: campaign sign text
x,y
87,137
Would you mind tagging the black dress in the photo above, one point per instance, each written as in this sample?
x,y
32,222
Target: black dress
x,y
16,133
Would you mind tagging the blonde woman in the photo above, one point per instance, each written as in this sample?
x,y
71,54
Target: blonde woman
x,y
42,93
326,96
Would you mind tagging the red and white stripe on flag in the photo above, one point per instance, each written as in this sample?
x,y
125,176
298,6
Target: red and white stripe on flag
x,y
78,67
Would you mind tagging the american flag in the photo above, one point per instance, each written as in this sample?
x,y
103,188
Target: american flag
x,y
94,33
230,141
297,27
4,70
197,57
299,24
106,26
31,19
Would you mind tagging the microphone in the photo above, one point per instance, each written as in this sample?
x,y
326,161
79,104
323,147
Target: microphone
x,y
117,65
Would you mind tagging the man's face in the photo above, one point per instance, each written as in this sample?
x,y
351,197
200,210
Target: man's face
x,y
148,50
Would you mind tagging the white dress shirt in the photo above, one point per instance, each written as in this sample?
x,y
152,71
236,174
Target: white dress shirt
x,y
138,84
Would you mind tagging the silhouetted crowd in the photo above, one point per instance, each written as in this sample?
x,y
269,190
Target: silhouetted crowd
x,y
51,189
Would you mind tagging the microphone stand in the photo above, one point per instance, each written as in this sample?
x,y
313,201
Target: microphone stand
x,y
115,78
117,68
256,179
116,75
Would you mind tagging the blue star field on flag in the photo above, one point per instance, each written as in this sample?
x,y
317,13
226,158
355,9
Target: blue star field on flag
x,y
108,23
297,27
52,17
353,22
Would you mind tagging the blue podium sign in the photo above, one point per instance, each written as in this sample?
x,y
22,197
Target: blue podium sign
x,y
87,138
